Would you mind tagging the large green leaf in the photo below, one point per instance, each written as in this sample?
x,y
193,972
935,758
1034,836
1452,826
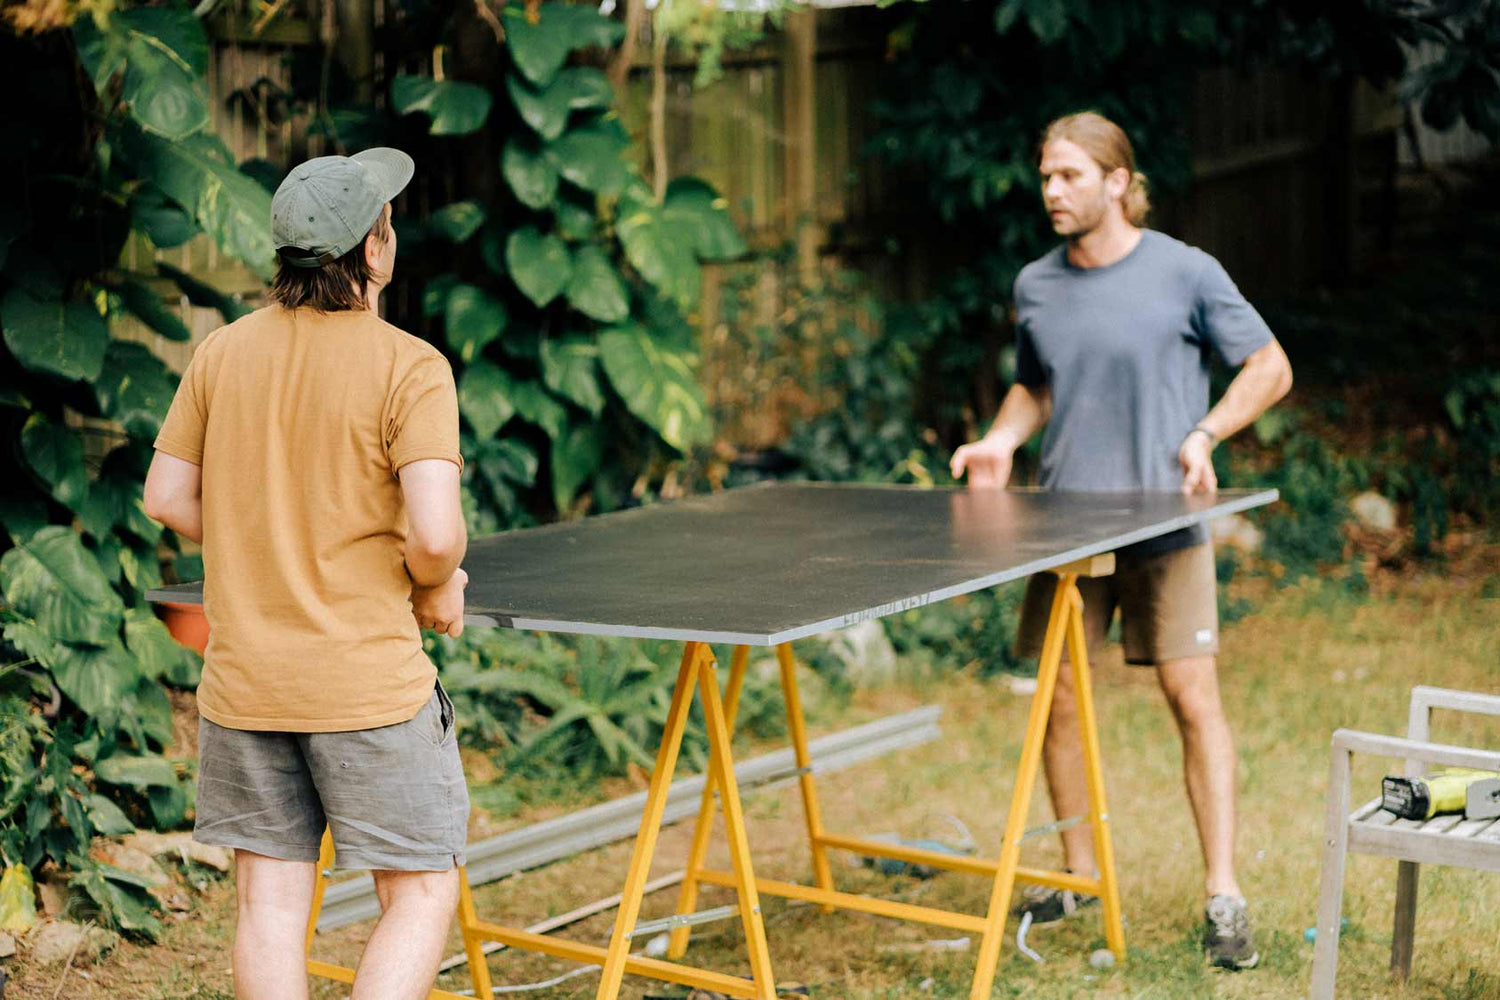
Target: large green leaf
x,y
540,265
136,772
575,456
484,398
535,406
704,213
540,48
592,157
144,713
665,242
96,678
141,566
114,501
435,294
570,369
505,460
163,52
658,248
158,656
135,388
169,806
205,296
458,221
472,318
200,175
125,906
546,109
657,385
148,307
175,28
574,222
108,818
455,107
596,289
55,453
22,516
56,336
530,173
162,93
52,579
161,218
29,639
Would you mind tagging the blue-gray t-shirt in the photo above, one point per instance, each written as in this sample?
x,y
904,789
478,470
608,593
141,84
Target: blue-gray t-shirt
x,y
1125,350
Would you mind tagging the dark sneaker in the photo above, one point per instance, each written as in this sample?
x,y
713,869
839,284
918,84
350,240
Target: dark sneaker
x,y
1048,905
1226,933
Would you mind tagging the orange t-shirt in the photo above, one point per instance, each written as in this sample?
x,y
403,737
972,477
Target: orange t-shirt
x,y
300,421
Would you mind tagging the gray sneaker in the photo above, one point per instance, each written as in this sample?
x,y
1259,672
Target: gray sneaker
x,y
1226,934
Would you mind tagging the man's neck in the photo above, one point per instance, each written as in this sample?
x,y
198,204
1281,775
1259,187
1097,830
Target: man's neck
x,y
372,298
1103,245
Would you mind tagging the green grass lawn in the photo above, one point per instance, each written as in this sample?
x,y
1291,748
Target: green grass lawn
x,y
1309,659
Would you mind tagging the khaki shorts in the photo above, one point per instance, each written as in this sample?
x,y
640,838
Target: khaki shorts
x,y
394,797
1168,605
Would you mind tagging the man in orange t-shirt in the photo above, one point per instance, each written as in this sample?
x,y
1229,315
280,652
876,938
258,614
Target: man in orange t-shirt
x,y
312,449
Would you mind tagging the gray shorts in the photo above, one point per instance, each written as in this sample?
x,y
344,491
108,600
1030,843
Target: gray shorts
x,y
394,797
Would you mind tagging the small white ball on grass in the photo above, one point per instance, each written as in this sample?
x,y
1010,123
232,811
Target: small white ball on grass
x,y
1102,959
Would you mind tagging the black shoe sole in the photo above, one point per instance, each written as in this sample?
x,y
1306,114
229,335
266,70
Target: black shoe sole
x,y
1234,965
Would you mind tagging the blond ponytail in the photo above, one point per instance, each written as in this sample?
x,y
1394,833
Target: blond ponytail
x,y
1137,200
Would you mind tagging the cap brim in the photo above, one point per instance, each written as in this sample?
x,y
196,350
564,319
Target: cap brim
x,y
390,169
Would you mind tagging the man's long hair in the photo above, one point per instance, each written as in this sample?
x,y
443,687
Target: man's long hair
x,y
1109,147
338,286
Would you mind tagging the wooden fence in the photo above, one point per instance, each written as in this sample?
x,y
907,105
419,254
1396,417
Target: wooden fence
x,y
1287,192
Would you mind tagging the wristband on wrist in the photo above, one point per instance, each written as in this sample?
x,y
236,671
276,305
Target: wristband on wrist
x,y
1213,438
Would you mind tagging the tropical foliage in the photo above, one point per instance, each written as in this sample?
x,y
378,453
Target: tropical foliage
x,y
560,303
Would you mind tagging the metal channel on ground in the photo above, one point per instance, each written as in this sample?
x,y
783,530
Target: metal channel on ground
x,y
351,901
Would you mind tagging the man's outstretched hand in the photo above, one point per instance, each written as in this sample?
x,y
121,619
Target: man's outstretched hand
x,y
441,608
987,462
1196,458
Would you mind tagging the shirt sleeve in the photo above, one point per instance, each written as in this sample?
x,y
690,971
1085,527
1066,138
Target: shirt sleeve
x,y
423,421
182,432
1223,318
1029,370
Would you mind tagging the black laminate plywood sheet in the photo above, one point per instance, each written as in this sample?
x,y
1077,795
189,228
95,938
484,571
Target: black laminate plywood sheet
x,y
768,564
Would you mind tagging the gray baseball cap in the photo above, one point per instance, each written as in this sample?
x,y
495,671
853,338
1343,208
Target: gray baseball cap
x,y
326,206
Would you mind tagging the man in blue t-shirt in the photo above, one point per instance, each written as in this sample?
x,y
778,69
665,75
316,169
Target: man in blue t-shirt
x,y
1115,330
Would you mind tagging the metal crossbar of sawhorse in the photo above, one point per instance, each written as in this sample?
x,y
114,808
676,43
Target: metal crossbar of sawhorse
x,y
698,672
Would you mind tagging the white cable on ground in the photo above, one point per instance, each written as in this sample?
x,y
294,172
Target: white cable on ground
x,y
527,987
1021,946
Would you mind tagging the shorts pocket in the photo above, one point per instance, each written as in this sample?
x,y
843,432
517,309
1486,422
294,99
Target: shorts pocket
x,y
436,720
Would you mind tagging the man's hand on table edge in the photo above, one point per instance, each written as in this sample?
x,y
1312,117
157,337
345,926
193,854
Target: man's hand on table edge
x,y
441,608
1195,455
987,461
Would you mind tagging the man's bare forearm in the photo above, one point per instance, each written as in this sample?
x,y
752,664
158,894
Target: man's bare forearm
x,y
186,518
1022,413
1265,378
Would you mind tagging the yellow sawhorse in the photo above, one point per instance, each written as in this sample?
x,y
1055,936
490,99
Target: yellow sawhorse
x,y
1064,626
697,671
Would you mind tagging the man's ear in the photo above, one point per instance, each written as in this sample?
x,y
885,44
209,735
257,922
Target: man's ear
x,y
1117,182
372,252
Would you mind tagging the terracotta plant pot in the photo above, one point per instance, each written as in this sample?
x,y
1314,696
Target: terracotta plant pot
x,y
186,622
